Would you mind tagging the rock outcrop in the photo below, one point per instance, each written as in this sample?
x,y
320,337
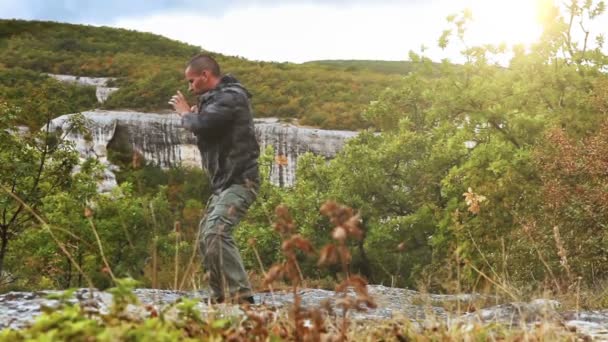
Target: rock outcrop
x,y
102,91
289,142
18,309
160,139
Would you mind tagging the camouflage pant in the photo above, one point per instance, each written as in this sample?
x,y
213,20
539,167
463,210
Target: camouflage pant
x,y
221,257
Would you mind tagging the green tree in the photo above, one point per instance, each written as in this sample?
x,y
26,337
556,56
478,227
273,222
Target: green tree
x,y
33,166
446,188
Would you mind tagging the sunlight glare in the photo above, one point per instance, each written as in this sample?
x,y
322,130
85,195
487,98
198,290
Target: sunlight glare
x,y
500,21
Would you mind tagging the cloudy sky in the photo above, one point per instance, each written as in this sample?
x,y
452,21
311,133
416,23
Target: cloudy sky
x,y
298,30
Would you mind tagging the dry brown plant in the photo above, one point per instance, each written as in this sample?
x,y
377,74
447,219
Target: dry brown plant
x,y
309,324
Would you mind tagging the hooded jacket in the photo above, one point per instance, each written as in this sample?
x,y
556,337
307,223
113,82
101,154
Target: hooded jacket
x,y
225,135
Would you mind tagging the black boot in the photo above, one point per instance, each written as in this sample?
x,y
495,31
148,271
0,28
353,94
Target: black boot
x,y
247,300
213,300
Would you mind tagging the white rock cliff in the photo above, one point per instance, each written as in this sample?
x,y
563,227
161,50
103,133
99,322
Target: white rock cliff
x,y
102,91
160,139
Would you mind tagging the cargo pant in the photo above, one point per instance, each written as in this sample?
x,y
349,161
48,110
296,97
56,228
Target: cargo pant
x,y
220,254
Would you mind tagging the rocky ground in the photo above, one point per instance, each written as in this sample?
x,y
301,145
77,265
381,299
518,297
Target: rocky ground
x,y
18,309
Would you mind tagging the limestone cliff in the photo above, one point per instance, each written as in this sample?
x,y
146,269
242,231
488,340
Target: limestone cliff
x,y
160,139
102,91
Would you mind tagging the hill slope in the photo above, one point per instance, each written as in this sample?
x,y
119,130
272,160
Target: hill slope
x,y
383,67
150,69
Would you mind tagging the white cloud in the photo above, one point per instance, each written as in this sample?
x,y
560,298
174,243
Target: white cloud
x,y
299,33
304,32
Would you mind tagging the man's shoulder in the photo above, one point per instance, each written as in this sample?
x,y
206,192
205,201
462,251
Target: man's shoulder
x,y
239,92
230,94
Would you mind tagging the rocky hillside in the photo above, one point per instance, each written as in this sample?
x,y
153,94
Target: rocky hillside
x,y
149,69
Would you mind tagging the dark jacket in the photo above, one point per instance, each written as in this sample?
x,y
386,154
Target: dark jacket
x,y
225,134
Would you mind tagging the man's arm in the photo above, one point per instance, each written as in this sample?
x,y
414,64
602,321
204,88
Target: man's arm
x,y
216,115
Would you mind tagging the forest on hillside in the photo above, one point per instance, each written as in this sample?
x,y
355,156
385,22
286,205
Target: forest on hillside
x,y
150,69
484,178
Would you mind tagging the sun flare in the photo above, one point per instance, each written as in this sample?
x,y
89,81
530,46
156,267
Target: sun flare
x,y
511,22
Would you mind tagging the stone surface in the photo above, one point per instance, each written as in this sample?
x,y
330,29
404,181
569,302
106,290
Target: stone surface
x,y
18,309
101,90
160,139
592,323
290,141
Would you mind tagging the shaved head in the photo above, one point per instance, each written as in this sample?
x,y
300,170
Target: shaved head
x,y
202,62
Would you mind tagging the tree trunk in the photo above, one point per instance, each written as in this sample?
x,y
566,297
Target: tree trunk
x,y
364,266
68,275
3,246
79,265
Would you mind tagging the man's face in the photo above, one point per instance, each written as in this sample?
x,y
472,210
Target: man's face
x,y
198,82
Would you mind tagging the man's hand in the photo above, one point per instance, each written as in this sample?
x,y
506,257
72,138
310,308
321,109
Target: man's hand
x,y
179,103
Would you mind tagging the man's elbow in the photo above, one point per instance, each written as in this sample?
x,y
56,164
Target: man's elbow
x,y
190,121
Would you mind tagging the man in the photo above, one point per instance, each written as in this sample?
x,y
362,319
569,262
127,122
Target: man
x,y
223,124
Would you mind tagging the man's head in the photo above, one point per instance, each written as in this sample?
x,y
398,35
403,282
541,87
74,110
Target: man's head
x,y
202,74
